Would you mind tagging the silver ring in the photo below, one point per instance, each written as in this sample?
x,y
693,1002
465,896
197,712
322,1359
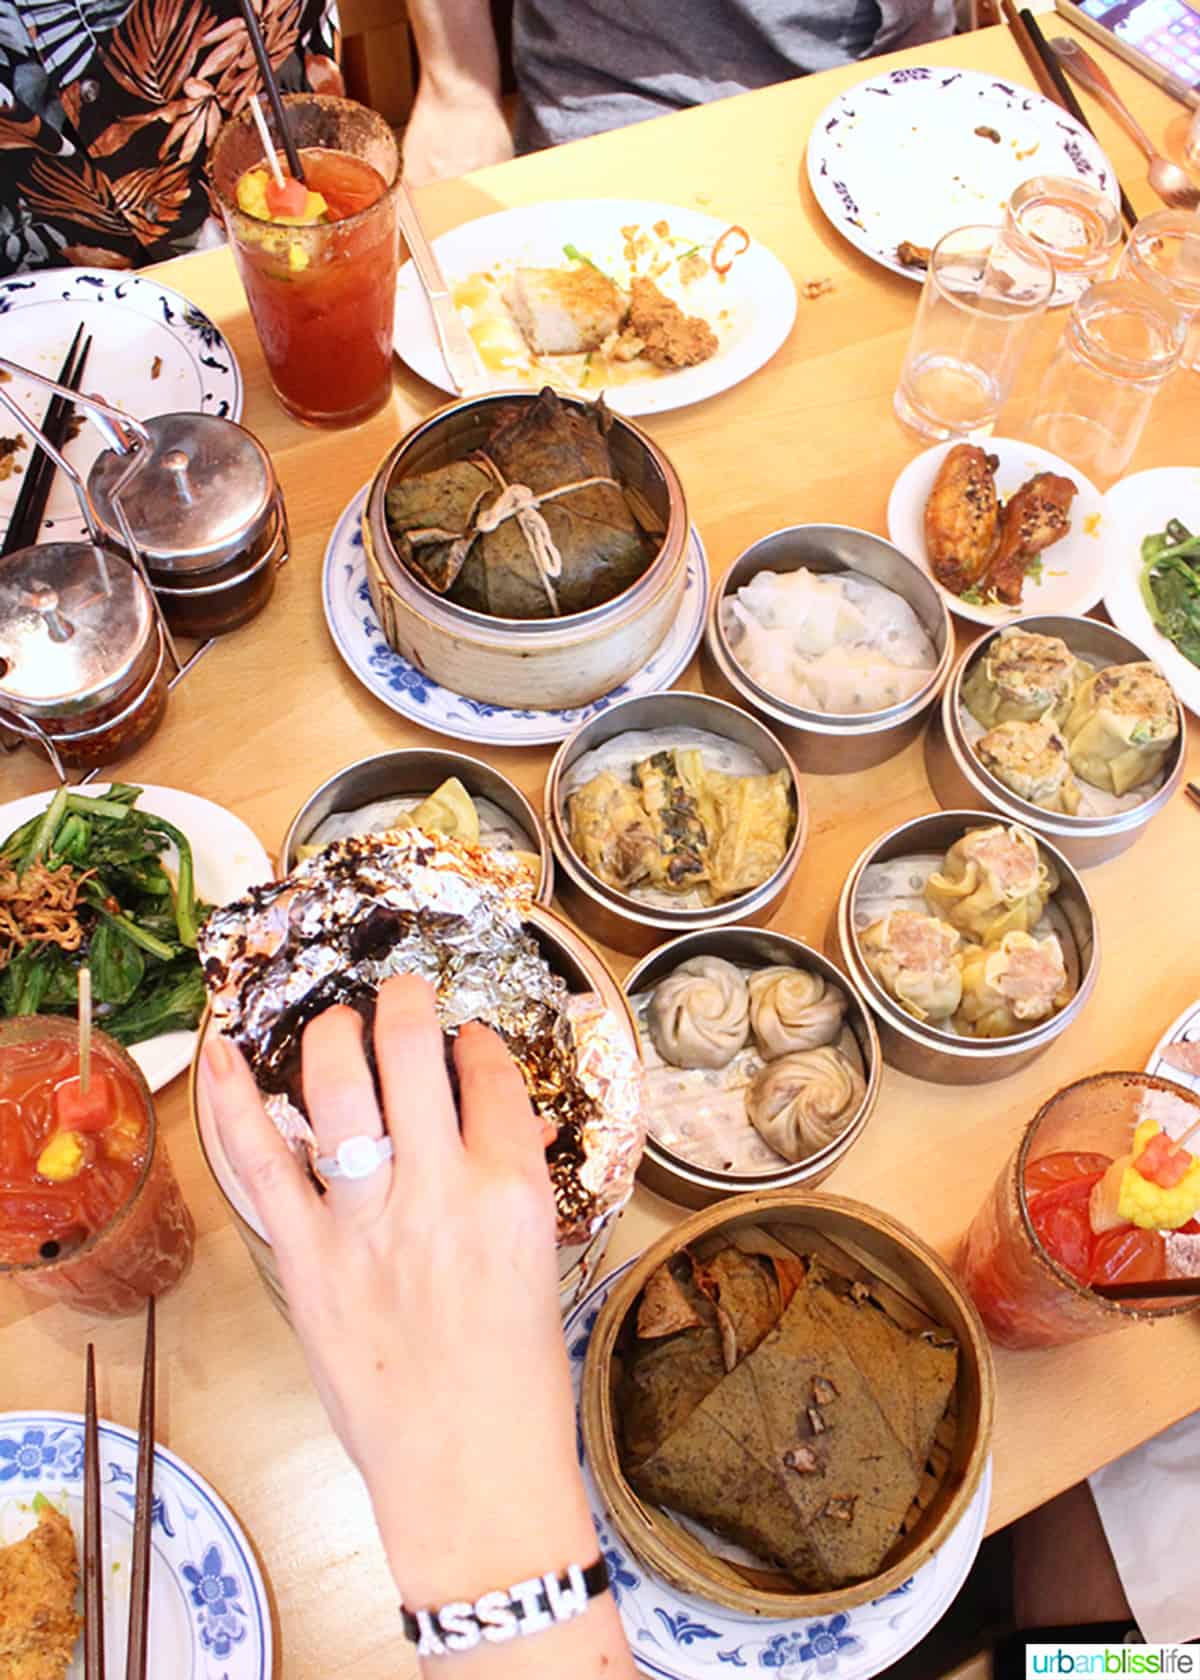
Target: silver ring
x,y
356,1157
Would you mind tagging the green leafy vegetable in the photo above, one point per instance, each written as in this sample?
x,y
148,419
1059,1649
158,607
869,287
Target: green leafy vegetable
x,y
1170,585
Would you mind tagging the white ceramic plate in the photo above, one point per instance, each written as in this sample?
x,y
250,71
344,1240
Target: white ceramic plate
x,y
135,323
1073,570
676,1637
1186,1029
209,1618
227,858
360,641
896,157
1137,507
759,294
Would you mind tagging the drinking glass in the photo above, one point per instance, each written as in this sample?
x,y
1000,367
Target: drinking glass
x,y
1078,226
145,1246
1119,345
322,294
1164,253
1025,1298
985,290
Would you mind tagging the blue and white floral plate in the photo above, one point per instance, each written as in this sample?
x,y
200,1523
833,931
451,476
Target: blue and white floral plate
x,y
153,352
674,1637
360,641
208,1607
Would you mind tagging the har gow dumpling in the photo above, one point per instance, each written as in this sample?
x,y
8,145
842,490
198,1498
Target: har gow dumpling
x,y
1022,676
1123,724
699,1015
1011,985
793,1009
917,961
992,881
801,1102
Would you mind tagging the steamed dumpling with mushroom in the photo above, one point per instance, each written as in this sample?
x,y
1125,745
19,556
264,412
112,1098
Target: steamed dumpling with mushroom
x,y
801,1102
1123,724
793,1009
699,1015
992,881
1031,760
1022,675
1010,986
917,961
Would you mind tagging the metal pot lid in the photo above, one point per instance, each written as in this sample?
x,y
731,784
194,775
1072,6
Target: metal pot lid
x,y
74,625
201,498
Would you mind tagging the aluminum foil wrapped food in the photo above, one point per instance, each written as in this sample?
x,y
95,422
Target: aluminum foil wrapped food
x,y
409,902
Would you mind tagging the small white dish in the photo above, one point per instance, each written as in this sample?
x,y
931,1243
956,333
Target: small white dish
x,y
360,641
1137,507
1073,570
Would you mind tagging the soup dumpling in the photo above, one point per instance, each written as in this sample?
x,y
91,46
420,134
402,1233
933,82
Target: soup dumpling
x,y
801,1102
1122,726
1020,677
793,1009
1032,761
699,1015
1011,985
917,961
992,881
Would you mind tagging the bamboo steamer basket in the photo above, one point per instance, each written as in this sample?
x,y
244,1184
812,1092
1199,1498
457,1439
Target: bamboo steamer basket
x,y
900,1259
545,663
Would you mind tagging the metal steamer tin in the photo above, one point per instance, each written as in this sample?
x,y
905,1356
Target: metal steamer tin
x,y
617,918
959,778
207,514
929,1052
417,771
536,662
689,1185
825,742
584,970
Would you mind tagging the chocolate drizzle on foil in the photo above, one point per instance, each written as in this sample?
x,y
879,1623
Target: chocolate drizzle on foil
x,y
407,902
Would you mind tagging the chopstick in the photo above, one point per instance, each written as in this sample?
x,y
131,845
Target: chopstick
x,y
139,1586
1148,1291
30,509
1024,40
1193,793
1062,90
93,1560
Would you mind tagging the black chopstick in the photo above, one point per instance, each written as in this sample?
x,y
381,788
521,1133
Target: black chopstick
x,y
1066,94
30,507
1193,793
93,1558
272,87
143,1511
1150,1291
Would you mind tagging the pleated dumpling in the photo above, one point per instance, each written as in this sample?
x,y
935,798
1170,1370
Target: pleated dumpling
x,y
916,960
1022,675
1010,986
699,1015
992,881
801,1102
1123,724
793,1009
448,810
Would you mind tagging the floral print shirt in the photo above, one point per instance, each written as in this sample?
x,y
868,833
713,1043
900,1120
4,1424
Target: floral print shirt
x,y
107,111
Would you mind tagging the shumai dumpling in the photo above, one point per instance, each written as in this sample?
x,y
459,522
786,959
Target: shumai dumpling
x,y
1021,676
916,960
992,881
1031,760
450,810
801,1102
699,1015
1122,726
1009,986
793,1009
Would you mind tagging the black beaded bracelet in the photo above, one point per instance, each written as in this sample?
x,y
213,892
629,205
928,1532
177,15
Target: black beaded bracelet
x,y
531,1606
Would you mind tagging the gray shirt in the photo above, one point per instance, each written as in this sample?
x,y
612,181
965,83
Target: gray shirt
x,y
588,65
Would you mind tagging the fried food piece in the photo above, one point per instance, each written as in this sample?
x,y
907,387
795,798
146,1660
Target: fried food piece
x,y
962,517
913,256
561,311
670,339
1034,517
39,1577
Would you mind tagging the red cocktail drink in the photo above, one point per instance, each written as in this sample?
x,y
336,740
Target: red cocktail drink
x,y
319,270
90,1212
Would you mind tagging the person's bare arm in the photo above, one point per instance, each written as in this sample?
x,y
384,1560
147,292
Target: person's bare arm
x,y
457,123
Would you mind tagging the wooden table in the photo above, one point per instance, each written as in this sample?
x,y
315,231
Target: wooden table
x,y
272,711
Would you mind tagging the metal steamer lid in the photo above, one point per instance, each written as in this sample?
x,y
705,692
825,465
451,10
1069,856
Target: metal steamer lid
x,y
198,501
74,625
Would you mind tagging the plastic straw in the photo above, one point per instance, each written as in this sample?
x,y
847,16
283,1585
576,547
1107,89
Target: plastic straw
x,y
272,87
268,145
85,1029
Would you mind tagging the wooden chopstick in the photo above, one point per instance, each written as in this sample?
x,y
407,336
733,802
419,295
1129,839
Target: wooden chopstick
x,y
30,507
139,1586
1150,1291
93,1548
1029,52
1193,793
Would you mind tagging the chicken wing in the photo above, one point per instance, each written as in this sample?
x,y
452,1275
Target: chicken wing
x,y
1036,515
962,517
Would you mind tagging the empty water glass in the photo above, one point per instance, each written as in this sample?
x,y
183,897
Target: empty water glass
x,y
1164,252
1077,225
1121,342
985,290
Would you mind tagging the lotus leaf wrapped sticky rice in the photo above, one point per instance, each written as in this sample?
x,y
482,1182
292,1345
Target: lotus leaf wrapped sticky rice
x,y
1011,985
992,881
917,961
1122,726
1031,760
1021,676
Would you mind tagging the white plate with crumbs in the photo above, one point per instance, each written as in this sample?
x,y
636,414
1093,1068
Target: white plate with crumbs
x,y
908,154
153,352
750,308
1069,577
